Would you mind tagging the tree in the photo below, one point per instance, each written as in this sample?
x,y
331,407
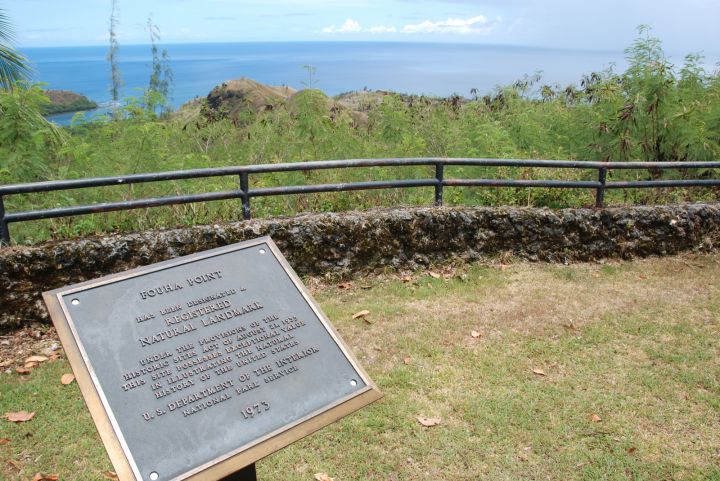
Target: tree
x,y
22,124
161,77
311,70
115,78
13,66
23,128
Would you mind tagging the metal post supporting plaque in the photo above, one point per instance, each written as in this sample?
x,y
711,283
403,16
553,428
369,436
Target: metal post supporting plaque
x,y
195,368
246,474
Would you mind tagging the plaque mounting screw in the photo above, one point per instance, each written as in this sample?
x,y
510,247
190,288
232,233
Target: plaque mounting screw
x,y
353,382
75,302
262,251
154,476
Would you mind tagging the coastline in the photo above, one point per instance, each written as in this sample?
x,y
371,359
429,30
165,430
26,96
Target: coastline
x,y
422,69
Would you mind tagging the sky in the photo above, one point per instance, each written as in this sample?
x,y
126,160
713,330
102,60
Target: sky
x,y
688,26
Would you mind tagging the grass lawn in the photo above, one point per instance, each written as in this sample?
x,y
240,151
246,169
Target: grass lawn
x,y
589,371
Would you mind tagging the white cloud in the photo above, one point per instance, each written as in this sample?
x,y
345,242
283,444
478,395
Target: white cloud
x,y
353,26
350,26
382,29
478,25
474,25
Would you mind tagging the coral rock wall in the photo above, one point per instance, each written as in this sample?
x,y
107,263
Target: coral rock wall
x,y
343,243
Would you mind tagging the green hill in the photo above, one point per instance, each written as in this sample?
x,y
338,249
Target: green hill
x,y
62,101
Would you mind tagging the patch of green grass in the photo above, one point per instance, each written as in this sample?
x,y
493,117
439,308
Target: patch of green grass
x,y
61,438
624,346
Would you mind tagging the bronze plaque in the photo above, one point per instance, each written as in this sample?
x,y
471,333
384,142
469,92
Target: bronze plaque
x,y
196,367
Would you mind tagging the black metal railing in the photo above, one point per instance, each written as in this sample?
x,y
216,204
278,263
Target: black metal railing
x,y
438,182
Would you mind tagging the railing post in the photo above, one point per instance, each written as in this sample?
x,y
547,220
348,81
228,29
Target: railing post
x,y
4,230
600,192
244,187
439,173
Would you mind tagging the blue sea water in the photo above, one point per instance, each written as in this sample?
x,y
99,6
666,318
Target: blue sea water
x,y
418,68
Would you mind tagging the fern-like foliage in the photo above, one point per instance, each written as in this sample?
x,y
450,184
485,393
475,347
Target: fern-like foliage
x,y
13,66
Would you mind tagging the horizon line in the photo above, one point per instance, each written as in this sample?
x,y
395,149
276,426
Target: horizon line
x,y
416,42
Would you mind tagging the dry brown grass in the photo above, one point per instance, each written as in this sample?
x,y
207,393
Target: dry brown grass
x,y
635,342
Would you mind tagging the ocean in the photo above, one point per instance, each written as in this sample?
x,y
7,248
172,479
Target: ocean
x,y
414,68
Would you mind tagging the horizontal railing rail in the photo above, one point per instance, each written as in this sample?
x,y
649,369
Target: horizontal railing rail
x,y
245,193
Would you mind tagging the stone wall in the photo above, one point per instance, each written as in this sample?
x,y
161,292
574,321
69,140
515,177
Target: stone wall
x,y
362,241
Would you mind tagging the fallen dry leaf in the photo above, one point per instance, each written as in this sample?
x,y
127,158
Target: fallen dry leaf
x,y
22,370
4,441
14,464
407,360
6,363
631,450
45,477
428,422
476,334
595,418
539,372
360,314
19,417
110,475
31,365
37,359
503,267
434,275
406,279
67,379
323,477
345,285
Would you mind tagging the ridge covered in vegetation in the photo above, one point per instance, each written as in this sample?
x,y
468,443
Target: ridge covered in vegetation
x,y
62,101
653,111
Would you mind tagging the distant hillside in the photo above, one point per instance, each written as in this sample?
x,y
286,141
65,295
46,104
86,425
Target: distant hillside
x,y
65,101
241,98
